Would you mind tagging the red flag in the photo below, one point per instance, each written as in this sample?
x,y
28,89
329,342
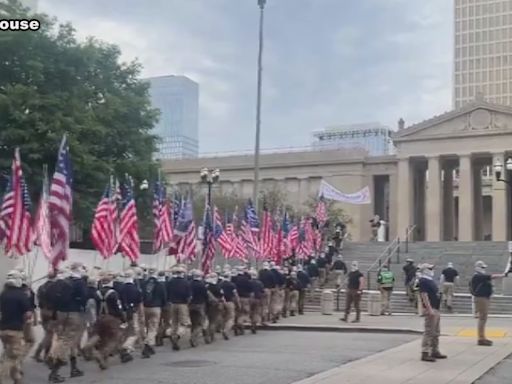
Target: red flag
x,y
129,242
266,234
321,211
222,237
103,231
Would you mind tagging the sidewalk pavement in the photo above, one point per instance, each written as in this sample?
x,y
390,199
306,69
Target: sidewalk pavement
x,y
466,361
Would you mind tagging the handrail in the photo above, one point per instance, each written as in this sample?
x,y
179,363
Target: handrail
x,y
408,232
386,251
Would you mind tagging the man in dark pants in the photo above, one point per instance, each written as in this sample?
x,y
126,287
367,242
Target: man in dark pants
x,y
354,292
429,293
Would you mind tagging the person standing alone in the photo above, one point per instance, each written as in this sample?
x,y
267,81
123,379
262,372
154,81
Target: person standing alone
x,y
354,292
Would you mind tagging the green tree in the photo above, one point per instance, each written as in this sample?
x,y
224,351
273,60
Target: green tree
x,y
51,84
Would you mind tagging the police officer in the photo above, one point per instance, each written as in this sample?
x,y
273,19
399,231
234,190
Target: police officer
x,y
386,281
179,294
197,307
16,311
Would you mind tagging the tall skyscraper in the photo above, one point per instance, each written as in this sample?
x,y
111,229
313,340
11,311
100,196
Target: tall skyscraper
x,y
483,51
177,98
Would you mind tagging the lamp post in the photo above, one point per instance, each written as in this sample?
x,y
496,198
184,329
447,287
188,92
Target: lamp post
x,y
261,4
209,177
498,170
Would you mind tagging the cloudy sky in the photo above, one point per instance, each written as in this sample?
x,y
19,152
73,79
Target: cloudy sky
x,y
326,62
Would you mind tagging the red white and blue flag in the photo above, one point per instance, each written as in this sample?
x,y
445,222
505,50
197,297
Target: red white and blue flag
x,y
163,233
6,209
103,230
20,238
251,229
129,243
223,239
186,232
239,250
42,229
266,237
61,204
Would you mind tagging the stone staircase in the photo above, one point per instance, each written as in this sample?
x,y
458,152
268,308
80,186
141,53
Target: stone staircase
x,y
462,254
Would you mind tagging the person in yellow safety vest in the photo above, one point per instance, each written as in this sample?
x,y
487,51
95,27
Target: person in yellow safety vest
x,y
386,281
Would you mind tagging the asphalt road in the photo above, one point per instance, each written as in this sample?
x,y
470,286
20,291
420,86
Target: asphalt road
x,y
500,374
271,357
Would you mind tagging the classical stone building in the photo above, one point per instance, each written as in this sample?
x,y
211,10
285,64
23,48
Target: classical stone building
x,y
440,178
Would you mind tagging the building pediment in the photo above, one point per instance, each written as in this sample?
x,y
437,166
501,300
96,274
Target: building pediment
x,y
475,119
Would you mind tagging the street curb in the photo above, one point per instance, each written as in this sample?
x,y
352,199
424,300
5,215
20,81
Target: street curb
x,y
340,329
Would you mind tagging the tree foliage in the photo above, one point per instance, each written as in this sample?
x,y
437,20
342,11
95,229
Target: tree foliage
x,y
51,84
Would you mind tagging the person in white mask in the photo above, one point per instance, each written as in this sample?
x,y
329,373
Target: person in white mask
x,y
354,292
429,294
16,311
482,290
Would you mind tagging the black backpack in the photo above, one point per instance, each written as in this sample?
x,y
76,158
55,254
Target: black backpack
x,y
59,295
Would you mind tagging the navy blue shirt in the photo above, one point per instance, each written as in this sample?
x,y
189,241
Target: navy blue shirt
x,y
429,287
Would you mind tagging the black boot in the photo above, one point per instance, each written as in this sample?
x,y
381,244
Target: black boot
x,y
125,356
175,343
55,377
426,357
225,335
253,329
75,372
146,352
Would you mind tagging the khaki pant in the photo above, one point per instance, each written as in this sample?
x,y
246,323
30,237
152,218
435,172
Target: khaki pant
x,y
165,322
229,315
353,297
48,323
132,333
197,320
302,299
340,278
12,358
106,340
180,320
244,310
152,320
448,289
285,302
29,337
256,310
322,279
69,328
275,306
385,300
214,313
430,342
482,308
265,303
293,301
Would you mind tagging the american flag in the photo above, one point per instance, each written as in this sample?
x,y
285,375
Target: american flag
x,y
239,250
20,238
42,229
6,210
129,243
266,233
208,241
305,246
186,232
61,204
163,233
251,229
103,230
282,248
221,236
293,236
321,211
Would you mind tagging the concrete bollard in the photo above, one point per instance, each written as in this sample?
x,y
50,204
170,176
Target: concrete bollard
x,y
327,302
374,304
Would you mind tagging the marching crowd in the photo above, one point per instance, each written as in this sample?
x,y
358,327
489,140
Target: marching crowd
x,y
96,314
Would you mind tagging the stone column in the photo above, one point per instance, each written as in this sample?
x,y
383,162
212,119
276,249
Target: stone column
x,y
499,203
465,199
404,194
478,203
448,204
394,206
434,202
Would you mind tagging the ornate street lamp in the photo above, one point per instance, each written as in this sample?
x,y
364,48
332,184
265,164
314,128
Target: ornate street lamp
x,y
498,170
209,177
